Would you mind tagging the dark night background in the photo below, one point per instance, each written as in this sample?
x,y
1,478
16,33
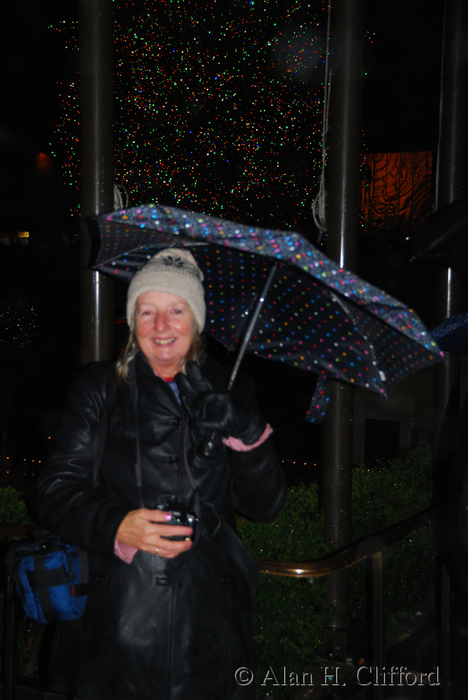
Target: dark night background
x,y
400,113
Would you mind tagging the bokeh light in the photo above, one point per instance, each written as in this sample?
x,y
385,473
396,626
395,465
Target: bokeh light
x,y
218,106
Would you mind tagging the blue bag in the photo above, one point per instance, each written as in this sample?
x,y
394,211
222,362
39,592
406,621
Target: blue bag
x,y
50,576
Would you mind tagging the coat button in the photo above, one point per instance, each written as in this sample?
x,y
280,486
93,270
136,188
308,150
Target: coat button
x,y
162,581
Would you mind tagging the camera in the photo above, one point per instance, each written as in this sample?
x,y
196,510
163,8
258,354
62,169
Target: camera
x,y
180,516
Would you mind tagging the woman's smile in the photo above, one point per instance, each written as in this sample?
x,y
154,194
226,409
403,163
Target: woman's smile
x,y
164,341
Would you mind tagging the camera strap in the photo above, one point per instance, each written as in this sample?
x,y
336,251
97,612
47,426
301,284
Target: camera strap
x,y
134,396
193,483
214,527
100,438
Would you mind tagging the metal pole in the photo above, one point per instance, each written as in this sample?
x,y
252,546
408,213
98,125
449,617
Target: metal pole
x,y
445,632
9,641
97,169
451,181
451,187
378,619
343,220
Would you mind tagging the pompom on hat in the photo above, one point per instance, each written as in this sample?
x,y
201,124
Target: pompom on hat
x,y
174,271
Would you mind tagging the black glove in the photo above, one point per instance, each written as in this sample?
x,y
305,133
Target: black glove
x,y
220,413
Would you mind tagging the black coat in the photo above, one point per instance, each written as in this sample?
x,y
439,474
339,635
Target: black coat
x,y
156,629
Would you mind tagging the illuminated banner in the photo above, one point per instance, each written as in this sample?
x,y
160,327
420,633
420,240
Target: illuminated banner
x,y
396,189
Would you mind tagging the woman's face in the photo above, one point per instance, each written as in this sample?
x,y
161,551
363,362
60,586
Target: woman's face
x,y
164,327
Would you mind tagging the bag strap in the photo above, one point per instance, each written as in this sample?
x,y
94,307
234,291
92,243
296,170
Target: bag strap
x,y
239,553
101,432
232,543
41,579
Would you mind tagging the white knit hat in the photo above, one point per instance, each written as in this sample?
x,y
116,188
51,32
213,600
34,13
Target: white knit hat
x,y
174,271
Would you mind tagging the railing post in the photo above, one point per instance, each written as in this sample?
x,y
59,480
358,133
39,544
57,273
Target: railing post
x,y
8,639
444,631
378,619
9,646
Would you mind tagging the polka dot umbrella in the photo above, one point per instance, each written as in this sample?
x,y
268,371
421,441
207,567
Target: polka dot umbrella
x,y
313,314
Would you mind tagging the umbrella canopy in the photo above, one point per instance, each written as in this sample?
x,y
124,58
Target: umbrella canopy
x,y
315,316
452,334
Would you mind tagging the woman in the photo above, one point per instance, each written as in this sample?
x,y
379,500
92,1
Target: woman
x,y
166,618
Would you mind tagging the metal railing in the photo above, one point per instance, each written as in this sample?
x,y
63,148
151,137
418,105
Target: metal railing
x,y
370,548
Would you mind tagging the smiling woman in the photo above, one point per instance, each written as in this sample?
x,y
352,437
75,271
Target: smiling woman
x,y
170,285
168,611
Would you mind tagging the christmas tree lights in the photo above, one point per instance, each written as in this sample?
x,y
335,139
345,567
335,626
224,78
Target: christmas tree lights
x,y
218,106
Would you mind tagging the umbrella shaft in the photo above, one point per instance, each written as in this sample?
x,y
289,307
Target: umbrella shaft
x,y
208,447
253,320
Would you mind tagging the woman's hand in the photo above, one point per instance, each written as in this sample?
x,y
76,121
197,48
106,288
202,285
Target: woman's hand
x,y
145,529
222,412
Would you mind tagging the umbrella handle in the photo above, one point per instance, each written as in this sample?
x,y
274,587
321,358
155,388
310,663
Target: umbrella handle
x,y
208,447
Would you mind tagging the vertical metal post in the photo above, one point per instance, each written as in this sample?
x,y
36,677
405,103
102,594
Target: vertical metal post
x,y
451,178
444,630
97,169
343,220
8,656
451,187
335,490
378,619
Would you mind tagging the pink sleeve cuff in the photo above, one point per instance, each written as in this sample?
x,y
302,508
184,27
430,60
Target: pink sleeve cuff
x,y
124,551
239,446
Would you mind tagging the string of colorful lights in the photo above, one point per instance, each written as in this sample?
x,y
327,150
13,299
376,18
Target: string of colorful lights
x,y
218,106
